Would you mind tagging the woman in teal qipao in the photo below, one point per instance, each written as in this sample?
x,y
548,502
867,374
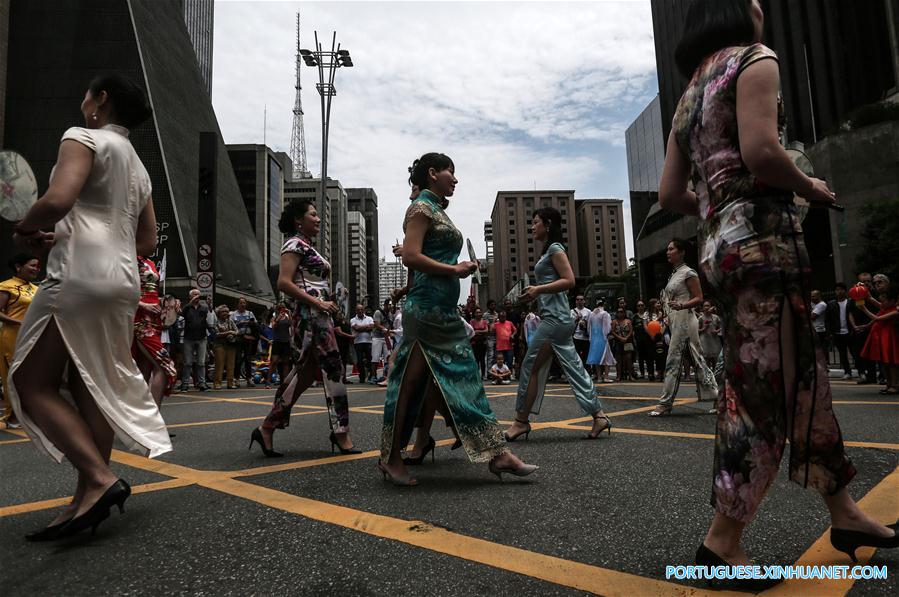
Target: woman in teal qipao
x,y
554,278
435,361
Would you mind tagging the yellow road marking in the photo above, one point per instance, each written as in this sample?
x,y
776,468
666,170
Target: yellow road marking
x,y
426,536
14,441
64,501
881,504
863,402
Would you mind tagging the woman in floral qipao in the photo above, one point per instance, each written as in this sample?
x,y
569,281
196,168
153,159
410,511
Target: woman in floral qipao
x,y
725,139
435,362
305,278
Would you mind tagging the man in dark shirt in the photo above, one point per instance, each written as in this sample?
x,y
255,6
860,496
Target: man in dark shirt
x,y
195,315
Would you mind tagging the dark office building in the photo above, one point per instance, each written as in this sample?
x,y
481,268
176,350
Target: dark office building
x,y
834,57
365,200
56,48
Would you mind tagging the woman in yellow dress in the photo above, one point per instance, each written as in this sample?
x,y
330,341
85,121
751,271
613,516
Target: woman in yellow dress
x,y
15,298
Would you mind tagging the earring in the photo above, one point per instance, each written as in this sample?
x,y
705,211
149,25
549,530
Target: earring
x,y
94,116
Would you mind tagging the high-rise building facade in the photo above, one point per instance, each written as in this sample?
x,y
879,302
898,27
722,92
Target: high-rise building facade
x,y
331,242
358,283
600,236
260,177
514,249
147,41
645,143
391,274
199,18
365,201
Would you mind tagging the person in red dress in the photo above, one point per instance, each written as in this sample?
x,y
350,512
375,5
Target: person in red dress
x,y
883,341
150,355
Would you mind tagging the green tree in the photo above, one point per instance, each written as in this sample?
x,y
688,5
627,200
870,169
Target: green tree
x,y
880,239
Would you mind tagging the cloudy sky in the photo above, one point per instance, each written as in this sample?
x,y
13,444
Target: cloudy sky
x,y
521,95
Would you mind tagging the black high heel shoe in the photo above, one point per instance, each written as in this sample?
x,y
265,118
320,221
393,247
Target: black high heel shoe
x,y
421,457
525,433
707,557
116,495
608,427
335,444
848,541
47,533
256,436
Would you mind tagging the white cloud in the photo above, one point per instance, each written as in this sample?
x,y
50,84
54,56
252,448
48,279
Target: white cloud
x,y
517,93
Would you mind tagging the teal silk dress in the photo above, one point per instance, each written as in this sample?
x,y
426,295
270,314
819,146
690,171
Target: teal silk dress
x,y
431,322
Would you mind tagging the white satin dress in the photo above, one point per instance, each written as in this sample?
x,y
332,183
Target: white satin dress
x,y
92,290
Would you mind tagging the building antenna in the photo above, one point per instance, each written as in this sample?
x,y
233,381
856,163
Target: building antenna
x,y
298,137
264,123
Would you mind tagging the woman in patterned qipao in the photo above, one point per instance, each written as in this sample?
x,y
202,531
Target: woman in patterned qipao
x,y
435,361
305,278
151,357
725,139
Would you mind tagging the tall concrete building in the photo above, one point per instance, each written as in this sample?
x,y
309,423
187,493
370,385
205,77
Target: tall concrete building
x,y
365,200
600,236
356,240
147,41
514,250
199,17
331,242
391,274
260,177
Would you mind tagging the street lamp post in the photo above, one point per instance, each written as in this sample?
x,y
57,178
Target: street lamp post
x,y
327,62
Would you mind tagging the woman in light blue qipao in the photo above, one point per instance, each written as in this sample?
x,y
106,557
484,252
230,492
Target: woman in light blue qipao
x,y
554,278
435,363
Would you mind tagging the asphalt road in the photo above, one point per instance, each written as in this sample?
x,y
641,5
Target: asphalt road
x,y
605,517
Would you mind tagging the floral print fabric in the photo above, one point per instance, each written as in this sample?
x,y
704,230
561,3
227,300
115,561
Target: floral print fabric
x,y
312,331
757,278
705,126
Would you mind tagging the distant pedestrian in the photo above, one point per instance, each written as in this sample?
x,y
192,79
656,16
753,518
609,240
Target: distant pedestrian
x,y
281,350
362,326
837,320
479,340
245,319
600,355
16,295
227,339
151,356
196,328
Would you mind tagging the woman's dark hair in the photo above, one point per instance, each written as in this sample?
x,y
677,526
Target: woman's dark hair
x,y
129,102
295,210
418,171
711,25
552,219
680,244
19,260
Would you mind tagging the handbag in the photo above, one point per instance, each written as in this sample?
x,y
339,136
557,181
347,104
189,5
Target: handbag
x,y
628,347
